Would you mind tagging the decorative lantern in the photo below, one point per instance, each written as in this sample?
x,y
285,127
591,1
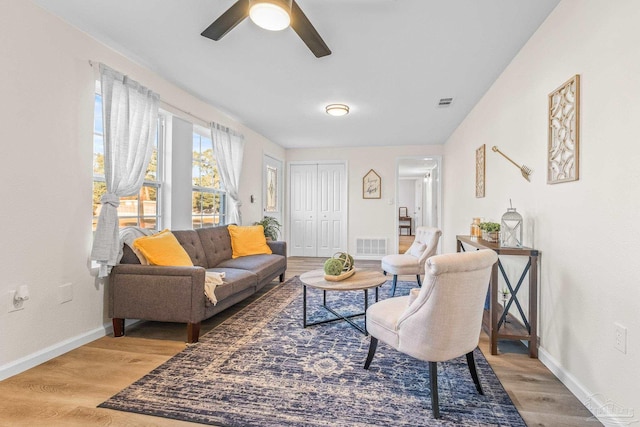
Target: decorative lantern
x,y
511,228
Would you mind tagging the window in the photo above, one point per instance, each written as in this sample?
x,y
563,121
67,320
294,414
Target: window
x,y
209,198
143,209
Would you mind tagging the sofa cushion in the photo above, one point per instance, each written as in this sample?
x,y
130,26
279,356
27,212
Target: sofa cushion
x,y
417,248
190,241
128,256
265,266
216,242
234,281
248,240
162,249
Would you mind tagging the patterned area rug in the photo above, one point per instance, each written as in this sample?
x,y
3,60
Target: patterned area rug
x,y
261,368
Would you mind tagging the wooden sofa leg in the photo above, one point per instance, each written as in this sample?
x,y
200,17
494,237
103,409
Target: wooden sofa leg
x,y
193,332
282,278
118,327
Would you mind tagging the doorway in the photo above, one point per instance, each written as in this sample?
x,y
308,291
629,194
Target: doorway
x,y
418,190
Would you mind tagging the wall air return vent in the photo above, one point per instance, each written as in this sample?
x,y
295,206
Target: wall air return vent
x,y
375,248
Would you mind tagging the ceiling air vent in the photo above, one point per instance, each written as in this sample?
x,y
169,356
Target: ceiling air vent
x,y
445,102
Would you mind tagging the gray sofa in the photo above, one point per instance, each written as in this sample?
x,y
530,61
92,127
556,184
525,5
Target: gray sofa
x,y
176,294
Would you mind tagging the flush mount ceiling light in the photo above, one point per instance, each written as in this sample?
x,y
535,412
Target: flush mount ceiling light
x,y
337,110
273,15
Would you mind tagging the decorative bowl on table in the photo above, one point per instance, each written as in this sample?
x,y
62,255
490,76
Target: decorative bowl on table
x,y
339,267
345,275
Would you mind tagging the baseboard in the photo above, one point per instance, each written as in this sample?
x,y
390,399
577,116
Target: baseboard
x,y
46,354
606,411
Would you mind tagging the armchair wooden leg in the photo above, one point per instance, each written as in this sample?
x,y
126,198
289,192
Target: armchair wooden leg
x,y
471,361
282,278
118,327
393,285
433,381
419,280
193,332
372,351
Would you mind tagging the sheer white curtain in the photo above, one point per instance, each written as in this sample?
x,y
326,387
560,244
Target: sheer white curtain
x,y
229,150
129,114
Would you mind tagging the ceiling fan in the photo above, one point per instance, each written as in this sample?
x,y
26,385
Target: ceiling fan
x,y
272,15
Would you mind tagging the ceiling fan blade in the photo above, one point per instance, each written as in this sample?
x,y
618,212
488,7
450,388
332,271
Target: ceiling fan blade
x,y
228,20
305,30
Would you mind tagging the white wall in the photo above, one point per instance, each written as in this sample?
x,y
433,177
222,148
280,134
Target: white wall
x,y
46,108
368,217
407,196
586,230
181,148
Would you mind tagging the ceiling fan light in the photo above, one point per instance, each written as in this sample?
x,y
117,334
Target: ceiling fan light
x,y
337,110
269,16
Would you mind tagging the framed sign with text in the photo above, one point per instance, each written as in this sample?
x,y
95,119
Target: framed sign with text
x,y
371,185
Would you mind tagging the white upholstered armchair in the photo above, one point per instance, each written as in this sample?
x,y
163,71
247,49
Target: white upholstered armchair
x,y
441,320
412,261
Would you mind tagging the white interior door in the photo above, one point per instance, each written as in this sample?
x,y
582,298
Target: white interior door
x,y
331,209
318,209
418,205
304,184
431,200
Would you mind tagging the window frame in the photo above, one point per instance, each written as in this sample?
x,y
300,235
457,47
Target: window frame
x,y
222,215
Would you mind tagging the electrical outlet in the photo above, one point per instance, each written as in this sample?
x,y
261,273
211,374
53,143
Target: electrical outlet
x,y
11,304
620,336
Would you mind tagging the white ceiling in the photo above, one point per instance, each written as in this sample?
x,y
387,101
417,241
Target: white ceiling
x,y
416,167
392,61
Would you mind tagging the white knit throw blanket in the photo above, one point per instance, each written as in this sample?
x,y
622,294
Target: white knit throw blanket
x,y
211,280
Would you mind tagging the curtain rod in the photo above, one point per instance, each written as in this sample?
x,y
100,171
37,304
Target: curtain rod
x,y
166,104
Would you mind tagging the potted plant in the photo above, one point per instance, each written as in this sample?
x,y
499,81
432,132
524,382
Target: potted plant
x,y
271,227
490,231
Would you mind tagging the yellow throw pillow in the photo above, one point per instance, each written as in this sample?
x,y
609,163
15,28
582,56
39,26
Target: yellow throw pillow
x,y
248,240
162,249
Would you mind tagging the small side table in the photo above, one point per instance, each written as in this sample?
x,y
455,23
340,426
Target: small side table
x,y
497,321
403,226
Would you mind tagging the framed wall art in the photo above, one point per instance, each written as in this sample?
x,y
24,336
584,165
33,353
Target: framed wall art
x,y
271,204
564,132
480,169
371,185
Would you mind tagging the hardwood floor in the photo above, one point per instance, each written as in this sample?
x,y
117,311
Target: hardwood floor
x,y
66,390
404,242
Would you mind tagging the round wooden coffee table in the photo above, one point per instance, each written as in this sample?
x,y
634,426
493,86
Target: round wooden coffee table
x,y
361,280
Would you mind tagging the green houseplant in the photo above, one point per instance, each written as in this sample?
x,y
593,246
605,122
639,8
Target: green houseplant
x,y
271,227
490,231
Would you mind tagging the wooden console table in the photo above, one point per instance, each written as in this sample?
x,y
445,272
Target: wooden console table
x,y
402,220
497,321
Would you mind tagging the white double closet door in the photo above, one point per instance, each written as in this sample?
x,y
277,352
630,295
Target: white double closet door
x,y
318,209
